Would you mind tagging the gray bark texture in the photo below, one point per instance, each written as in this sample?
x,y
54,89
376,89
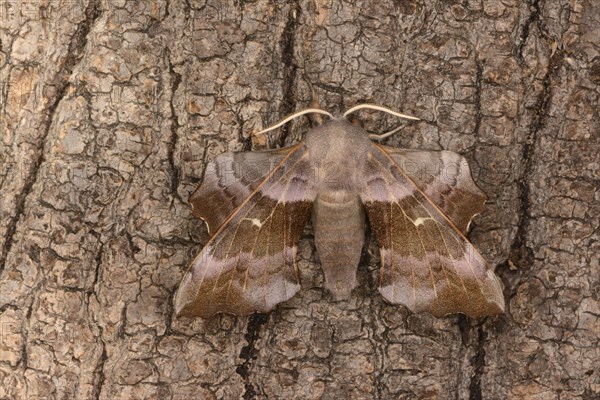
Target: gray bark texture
x,y
111,108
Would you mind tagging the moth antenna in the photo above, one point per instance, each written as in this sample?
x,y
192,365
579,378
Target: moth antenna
x,y
384,135
295,115
379,108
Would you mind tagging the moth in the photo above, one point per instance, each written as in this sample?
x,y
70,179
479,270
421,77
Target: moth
x,y
418,203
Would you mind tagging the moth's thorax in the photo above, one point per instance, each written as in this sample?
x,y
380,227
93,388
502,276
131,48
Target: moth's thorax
x,y
338,152
338,140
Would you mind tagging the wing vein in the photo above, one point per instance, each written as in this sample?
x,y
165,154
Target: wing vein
x,y
431,274
422,206
217,238
412,267
437,179
454,229
268,257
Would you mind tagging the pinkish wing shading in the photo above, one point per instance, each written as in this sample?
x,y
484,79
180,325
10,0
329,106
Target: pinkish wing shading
x,y
445,178
427,263
228,180
250,262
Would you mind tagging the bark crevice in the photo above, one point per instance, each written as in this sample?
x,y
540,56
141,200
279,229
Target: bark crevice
x,y
249,353
478,363
478,90
520,253
290,67
175,171
533,18
99,376
61,83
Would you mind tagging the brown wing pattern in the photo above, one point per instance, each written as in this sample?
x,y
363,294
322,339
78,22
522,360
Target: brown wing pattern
x,y
427,263
445,178
249,263
228,180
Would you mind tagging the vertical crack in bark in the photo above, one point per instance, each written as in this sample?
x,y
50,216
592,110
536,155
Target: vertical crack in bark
x,y
98,374
374,321
249,352
520,253
462,322
98,262
478,363
478,89
61,82
175,173
4,94
533,18
378,340
290,68
25,337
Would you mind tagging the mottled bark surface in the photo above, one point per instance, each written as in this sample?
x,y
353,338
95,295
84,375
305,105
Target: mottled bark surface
x,y
110,110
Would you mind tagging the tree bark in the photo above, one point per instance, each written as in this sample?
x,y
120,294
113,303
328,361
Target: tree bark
x,y
111,109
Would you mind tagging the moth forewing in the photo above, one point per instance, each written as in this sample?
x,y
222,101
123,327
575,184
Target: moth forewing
x,y
249,263
427,263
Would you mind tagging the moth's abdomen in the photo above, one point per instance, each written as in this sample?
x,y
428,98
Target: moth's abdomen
x,y
339,225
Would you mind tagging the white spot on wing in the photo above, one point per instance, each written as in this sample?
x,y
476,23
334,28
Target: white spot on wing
x,y
421,221
255,221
